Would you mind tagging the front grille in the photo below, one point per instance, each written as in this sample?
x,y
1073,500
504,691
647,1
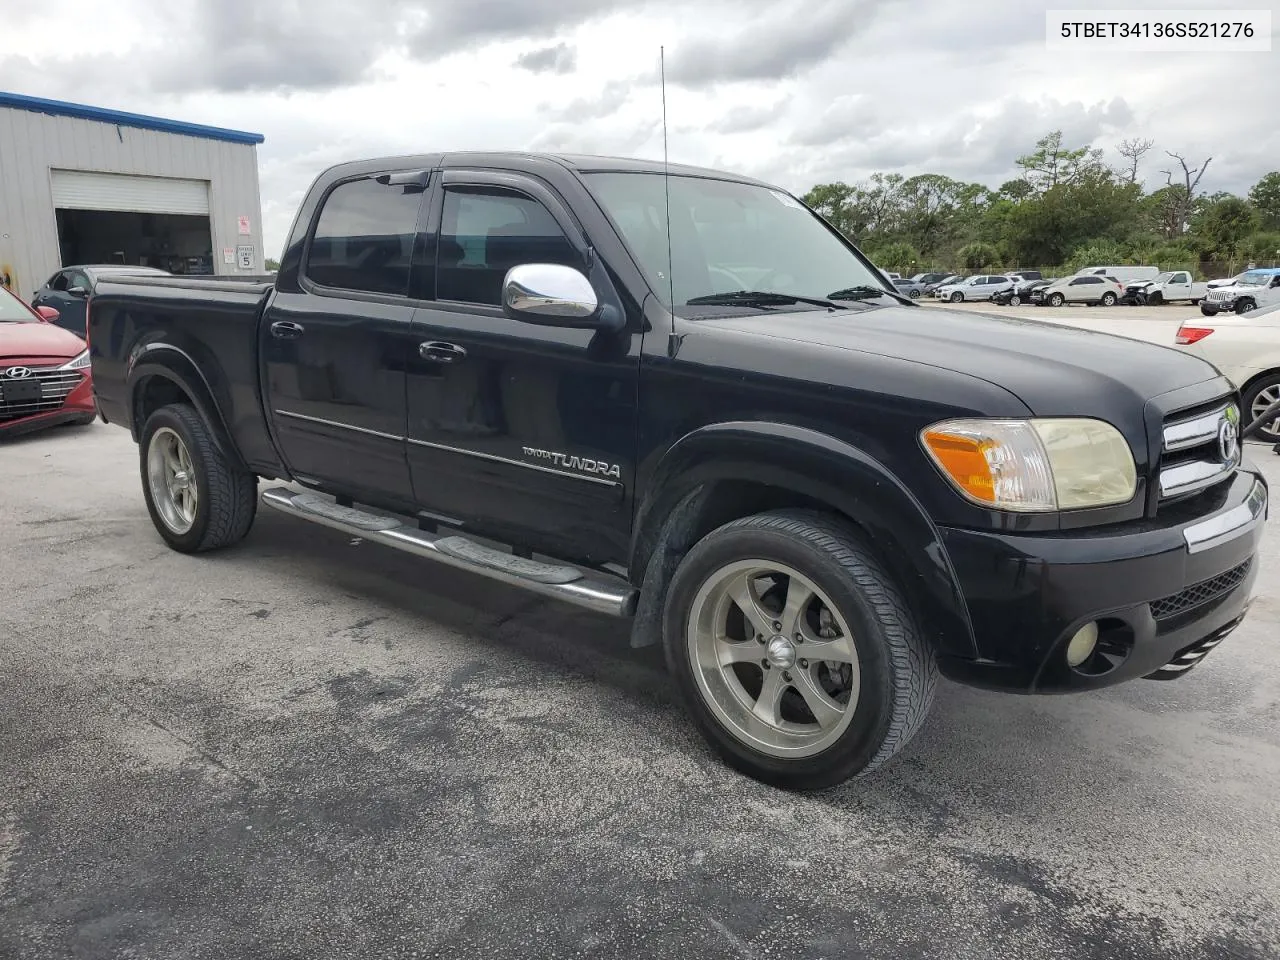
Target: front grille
x,y
1198,594
1200,448
54,386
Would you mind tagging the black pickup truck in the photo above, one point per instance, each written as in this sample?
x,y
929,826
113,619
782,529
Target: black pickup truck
x,y
679,396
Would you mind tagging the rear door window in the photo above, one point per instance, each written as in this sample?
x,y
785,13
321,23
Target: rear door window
x,y
364,238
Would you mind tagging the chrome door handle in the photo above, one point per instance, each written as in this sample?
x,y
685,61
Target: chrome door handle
x,y
287,330
441,352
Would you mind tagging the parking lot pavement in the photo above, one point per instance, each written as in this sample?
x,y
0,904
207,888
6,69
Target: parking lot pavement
x,y
307,747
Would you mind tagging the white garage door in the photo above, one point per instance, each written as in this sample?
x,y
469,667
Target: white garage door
x,y
82,190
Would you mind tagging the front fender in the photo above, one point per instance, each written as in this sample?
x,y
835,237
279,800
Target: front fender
x,y
175,365
824,469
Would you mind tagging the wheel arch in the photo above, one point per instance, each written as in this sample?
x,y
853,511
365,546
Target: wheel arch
x,y
163,374
724,471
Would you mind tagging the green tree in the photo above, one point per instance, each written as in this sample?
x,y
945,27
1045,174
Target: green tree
x,y
1265,197
894,255
1262,247
1223,225
272,265
1053,164
1097,253
978,256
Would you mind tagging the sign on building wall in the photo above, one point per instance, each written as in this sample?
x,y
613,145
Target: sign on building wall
x,y
228,255
244,226
244,256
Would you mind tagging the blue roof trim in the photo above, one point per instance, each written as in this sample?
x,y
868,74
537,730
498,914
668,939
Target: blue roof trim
x,y
60,108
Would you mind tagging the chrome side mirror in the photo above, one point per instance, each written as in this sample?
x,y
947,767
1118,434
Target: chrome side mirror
x,y
550,294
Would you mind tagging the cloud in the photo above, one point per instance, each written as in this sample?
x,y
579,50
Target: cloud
x,y
746,118
790,39
561,58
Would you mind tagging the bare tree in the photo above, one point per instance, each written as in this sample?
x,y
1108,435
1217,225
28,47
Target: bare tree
x,y
1186,191
1133,150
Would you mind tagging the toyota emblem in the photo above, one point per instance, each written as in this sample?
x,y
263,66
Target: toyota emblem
x,y
1228,441
17,373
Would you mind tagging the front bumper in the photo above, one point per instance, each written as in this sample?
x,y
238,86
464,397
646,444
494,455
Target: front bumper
x,y
77,407
1163,595
1212,308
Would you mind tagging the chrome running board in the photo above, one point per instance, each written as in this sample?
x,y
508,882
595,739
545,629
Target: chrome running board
x,y
595,591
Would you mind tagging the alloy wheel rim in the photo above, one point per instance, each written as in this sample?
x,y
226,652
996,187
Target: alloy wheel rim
x,y
172,479
773,658
1264,399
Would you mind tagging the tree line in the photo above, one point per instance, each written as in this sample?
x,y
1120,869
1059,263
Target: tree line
x,y
1067,208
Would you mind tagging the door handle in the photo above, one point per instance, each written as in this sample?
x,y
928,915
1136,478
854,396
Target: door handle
x,y
287,330
441,352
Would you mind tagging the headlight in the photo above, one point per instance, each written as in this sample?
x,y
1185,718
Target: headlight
x,y
79,363
1034,466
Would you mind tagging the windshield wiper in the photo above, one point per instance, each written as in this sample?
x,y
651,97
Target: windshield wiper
x,y
759,298
866,292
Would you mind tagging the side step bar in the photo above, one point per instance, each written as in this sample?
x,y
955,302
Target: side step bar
x,y
597,592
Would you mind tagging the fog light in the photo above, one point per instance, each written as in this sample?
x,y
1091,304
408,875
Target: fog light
x,y
1082,644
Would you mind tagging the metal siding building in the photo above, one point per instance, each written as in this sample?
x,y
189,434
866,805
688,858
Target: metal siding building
x,y
68,168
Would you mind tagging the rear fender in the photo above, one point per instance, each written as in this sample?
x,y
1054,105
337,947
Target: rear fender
x,y
174,365
798,461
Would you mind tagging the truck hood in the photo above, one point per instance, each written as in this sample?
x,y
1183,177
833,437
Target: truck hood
x,y
1055,370
38,340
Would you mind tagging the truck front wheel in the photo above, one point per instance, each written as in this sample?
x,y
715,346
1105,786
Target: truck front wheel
x,y
197,499
796,651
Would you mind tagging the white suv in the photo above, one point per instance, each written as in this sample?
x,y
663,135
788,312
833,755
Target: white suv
x,y
1252,289
982,287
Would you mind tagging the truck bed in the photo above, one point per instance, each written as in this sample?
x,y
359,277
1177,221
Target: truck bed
x,y
211,324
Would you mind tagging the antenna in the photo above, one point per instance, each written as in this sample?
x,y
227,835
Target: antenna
x,y
666,177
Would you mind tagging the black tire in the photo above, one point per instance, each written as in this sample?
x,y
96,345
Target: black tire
x,y
1108,300
913,294
1245,306
226,497
1155,299
1015,301
1056,299
898,670
1205,311
1195,303
1251,393
957,297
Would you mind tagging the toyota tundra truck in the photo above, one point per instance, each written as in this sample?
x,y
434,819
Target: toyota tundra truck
x,y
678,396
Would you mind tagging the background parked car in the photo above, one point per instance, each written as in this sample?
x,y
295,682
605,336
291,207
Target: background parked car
x,y
44,370
931,289
924,279
68,290
982,287
1026,275
1102,290
1020,293
1246,348
912,288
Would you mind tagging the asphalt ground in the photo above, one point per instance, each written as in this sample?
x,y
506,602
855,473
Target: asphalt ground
x,y
310,747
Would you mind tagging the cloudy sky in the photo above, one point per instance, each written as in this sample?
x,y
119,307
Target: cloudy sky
x,y
795,91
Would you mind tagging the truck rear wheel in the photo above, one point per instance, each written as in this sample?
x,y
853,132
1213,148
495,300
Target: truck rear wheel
x,y
796,651
197,500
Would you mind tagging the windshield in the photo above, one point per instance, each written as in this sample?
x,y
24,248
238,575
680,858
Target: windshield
x,y
728,237
1163,278
13,310
1255,278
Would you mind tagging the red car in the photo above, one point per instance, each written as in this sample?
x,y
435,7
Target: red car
x,y
44,370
